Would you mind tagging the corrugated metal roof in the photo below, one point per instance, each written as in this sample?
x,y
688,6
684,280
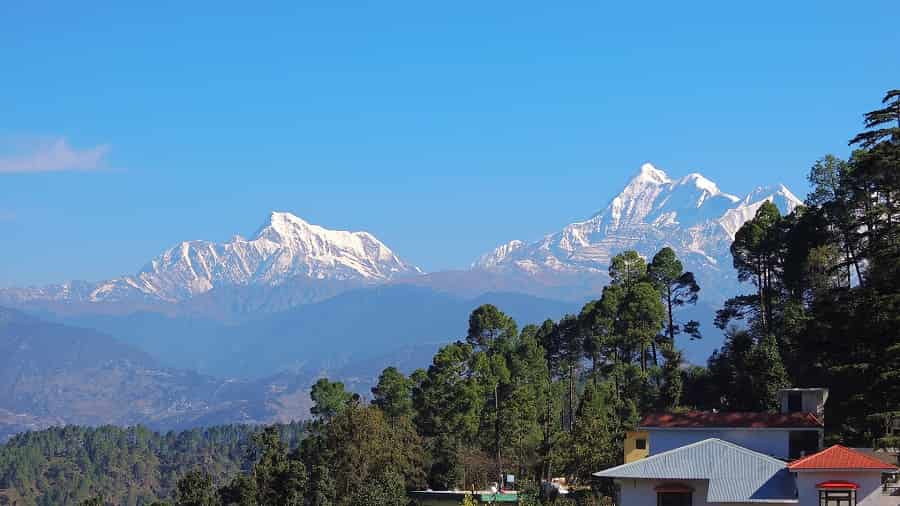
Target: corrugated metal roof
x,y
735,474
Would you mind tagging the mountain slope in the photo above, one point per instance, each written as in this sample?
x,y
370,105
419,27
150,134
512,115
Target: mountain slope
x,y
53,374
691,215
357,326
284,249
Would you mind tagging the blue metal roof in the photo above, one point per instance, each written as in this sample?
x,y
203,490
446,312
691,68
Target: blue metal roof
x,y
735,474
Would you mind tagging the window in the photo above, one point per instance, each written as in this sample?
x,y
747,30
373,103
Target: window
x,y
795,402
837,498
640,444
673,499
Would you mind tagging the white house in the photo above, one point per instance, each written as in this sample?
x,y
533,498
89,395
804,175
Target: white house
x,y
841,476
781,435
717,472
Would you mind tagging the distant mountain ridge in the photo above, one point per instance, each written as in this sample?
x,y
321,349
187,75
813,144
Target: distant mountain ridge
x,y
690,214
286,248
54,374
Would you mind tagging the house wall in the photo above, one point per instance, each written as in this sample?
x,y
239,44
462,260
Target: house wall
x,y
632,453
641,492
869,493
769,442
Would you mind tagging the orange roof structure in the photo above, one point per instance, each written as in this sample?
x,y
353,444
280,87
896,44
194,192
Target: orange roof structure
x,y
839,457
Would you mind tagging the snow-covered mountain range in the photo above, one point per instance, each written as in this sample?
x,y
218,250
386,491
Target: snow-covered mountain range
x,y
690,214
284,249
294,284
289,262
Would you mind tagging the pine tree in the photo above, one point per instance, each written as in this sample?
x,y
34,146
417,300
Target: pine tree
x,y
329,398
672,381
756,252
888,117
627,268
196,489
594,442
768,373
677,287
393,394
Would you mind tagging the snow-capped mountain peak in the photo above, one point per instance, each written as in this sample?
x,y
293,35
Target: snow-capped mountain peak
x,y
690,214
284,248
779,195
700,182
650,174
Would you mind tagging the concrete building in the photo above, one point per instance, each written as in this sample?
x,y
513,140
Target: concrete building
x,y
797,430
717,472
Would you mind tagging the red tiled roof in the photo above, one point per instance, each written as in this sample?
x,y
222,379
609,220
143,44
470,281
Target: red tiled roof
x,y
839,457
707,419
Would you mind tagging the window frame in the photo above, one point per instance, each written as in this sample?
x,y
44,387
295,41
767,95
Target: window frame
x,y
847,497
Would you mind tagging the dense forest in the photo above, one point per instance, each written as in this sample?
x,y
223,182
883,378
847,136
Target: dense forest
x,y
555,399
68,465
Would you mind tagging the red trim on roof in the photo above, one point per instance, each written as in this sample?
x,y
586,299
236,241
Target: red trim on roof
x,y
674,488
708,419
837,485
840,457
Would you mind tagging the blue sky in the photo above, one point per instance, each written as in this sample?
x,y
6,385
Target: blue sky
x,y
443,128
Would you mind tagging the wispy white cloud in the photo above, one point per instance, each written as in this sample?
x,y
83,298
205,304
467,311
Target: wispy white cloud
x,y
52,155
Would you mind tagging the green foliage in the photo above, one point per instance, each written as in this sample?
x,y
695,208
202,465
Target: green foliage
x,y
68,465
448,406
361,455
385,489
884,117
276,477
329,398
487,324
672,378
677,288
393,394
627,268
827,305
768,374
595,442
196,489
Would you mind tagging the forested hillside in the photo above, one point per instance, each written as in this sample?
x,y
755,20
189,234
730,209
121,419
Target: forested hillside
x,y
124,466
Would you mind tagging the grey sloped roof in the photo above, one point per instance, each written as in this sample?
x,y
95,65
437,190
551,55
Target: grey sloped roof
x,y
735,473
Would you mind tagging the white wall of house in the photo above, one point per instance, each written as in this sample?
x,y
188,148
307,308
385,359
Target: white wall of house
x,y
640,492
774,442
869,493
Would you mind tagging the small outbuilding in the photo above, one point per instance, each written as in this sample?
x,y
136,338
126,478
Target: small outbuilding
x,y
839,476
